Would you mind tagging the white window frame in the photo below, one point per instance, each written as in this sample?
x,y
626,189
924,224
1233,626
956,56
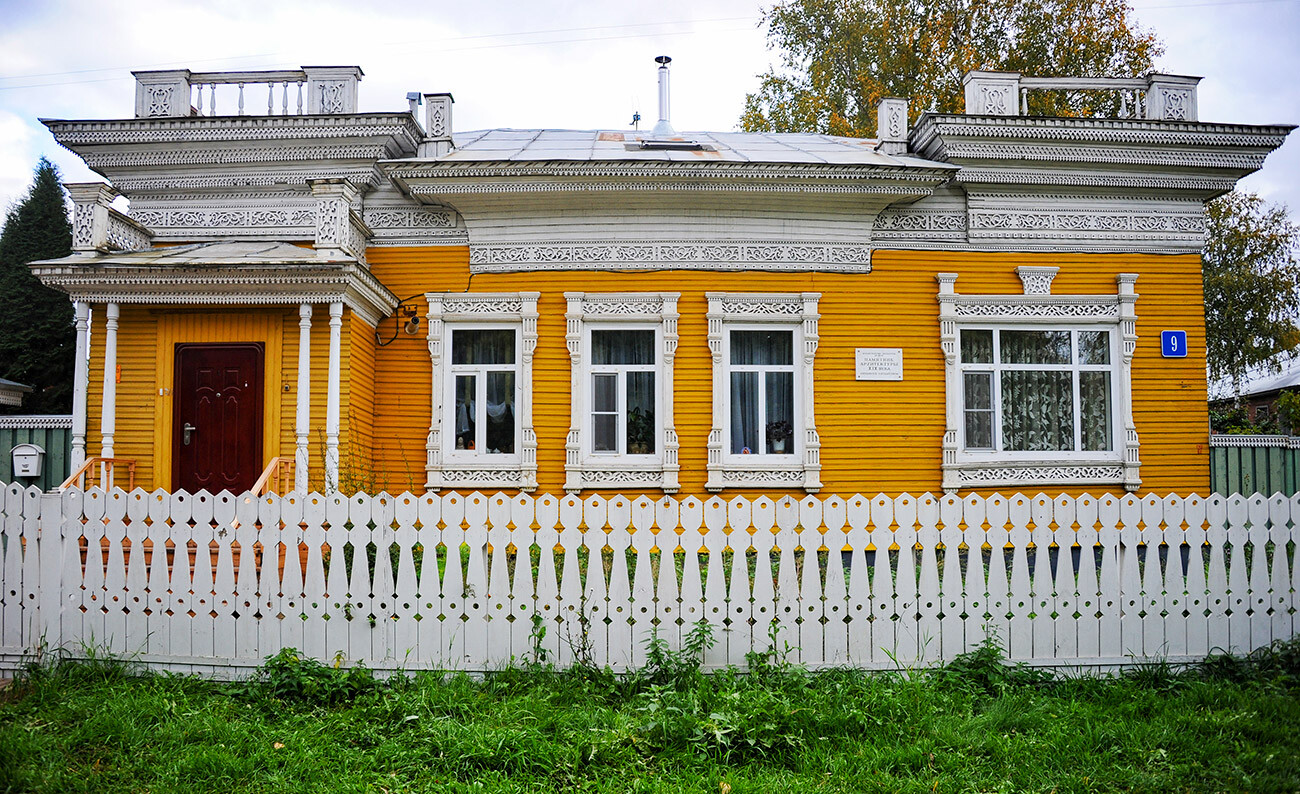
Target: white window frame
x,y
1038,309
793,312
584,467
1075,368
446,466
590,455
452,454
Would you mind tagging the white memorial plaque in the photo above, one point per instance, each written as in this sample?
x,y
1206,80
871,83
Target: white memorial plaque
x,y
878,363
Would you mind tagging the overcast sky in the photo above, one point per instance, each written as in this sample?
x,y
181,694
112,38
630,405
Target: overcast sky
x,y
576,65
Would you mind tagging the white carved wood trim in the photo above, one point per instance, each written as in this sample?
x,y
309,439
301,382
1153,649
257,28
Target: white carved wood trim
x,y
729,310
1038,307
446,309
583,309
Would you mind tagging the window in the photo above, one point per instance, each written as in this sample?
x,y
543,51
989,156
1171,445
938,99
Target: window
x,y
764,433
483,369
1029,390
621,347
761,397
481,347
623,393
1038,385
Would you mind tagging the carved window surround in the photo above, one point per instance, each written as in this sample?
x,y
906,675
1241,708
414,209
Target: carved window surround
x,y
1040,309
730,311
583,469
446,311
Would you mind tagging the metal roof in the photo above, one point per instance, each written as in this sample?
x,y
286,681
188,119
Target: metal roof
x,y
734,147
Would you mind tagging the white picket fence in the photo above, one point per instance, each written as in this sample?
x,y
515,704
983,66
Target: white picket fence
x,y
883,582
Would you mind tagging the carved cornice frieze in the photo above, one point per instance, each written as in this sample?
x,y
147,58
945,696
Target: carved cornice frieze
x,y
153,158
398,218
785,256
996,176
912,179
976,476
1067,224
224,285
362,175
240,218
189,129
908,222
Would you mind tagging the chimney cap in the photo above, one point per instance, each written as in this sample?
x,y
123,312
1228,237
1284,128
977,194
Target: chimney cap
x,y
663,60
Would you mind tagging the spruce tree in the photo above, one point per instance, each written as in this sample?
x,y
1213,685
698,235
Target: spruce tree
x,y
37,336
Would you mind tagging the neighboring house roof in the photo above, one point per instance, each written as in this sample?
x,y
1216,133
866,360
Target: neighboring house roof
x,y
1262,380
11,392
734,147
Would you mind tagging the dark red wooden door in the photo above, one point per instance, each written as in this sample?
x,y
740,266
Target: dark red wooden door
x,y
217,437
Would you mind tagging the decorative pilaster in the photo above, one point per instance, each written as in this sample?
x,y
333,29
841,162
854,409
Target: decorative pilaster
x,y
332,400
812,449
1128,332
340,232
529,338
80,384
891,126
951,377
671,444
714,465
302,425
992,93
1171,97
162,93
108,415
433,441
97,227
437,126
577,394
332,90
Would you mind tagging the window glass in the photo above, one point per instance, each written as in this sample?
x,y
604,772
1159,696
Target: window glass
x,y
466,403
1035,347
744,413
778,413
1094,347
500,413
762,347
978,390
483,346
977,346
623,347
1094,405
1037,410
640,413
604,413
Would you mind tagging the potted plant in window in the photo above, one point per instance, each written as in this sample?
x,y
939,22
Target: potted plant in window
x,y
779,433
640,432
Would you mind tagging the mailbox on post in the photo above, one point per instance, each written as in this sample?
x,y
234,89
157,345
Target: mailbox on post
x,y
28,460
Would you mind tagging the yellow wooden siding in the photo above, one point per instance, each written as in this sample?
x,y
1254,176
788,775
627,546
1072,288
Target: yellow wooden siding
x,y
137,392
876,435
358,456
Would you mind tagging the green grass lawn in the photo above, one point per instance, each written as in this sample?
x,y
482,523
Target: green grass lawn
x,y
977,725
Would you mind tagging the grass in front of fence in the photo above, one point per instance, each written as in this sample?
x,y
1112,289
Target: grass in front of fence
x,y
976,725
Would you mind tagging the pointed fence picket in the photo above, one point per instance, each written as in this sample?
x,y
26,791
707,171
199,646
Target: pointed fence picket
x,y
216,583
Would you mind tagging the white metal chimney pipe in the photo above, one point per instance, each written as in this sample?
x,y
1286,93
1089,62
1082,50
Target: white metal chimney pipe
x,y
663,127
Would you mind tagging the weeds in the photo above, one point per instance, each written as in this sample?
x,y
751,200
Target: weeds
x,y
979,724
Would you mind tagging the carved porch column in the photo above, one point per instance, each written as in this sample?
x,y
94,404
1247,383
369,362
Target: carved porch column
x,y
302,427
108,417
80,384
332,400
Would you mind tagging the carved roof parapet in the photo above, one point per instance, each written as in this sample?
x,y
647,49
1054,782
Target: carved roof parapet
x,y
71,133
311,90
97,226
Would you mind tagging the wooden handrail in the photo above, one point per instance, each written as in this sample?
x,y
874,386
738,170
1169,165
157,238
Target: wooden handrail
x,y
106,465
277,474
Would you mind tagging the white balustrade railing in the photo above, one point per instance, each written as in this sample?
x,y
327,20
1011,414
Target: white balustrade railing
x,y
214,584
283,91
309,90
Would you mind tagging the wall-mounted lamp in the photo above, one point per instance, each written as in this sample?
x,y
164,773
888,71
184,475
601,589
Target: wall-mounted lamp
x,y
412,326
406,319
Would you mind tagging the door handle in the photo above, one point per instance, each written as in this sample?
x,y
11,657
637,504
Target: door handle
x,y
186,432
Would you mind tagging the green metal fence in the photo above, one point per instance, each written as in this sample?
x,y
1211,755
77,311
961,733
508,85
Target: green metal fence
x,y
1255,464
51,433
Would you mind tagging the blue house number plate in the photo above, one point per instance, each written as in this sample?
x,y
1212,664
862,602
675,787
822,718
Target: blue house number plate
x,y
1173,344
